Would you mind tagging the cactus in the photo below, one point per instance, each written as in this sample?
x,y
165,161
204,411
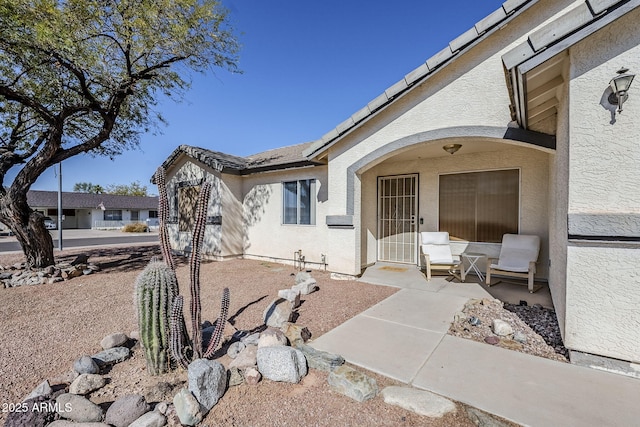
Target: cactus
x,y
162,325
155,291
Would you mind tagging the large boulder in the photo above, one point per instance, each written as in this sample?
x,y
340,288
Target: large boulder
x,y
321,360
272,337
78,408
207,382
187,408
114,340
126,410
278,312
85,365
281,363
247,358
421,402
352,383
86,383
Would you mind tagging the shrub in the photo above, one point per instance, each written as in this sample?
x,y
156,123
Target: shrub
x,y
136,227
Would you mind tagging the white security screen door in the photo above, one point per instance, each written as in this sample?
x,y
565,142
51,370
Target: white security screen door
x,y
397,211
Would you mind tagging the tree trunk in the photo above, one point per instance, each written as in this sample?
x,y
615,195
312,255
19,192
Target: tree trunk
x,y
33,236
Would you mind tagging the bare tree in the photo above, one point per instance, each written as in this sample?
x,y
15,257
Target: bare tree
x,y
83,76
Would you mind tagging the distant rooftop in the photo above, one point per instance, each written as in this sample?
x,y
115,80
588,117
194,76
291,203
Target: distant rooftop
x,y
73,200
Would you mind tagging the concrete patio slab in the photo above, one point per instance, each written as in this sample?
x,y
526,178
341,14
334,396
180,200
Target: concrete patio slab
x,y
404,337
419,309
466,290
391,349
526,389
396,275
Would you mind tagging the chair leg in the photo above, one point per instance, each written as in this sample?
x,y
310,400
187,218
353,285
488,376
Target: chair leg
x,y
428,268
530,282
488,277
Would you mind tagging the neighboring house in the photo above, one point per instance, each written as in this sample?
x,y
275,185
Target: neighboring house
x,y
526,95
85,210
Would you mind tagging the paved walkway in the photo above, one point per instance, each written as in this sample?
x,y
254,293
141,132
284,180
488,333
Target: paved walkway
x,y
404,337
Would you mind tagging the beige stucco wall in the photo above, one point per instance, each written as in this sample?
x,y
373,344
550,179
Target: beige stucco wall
x,y
471,92
188,170
558,187
603,285
266,235
534,194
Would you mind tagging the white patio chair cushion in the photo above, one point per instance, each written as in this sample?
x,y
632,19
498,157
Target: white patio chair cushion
x,y
436,245
517,251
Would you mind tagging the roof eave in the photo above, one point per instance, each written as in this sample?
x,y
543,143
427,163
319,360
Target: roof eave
x,y
483,29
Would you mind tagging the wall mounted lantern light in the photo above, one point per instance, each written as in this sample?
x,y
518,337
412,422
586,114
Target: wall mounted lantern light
x,y
620,85
451,148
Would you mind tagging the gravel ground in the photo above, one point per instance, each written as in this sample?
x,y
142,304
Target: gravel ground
x,y
478,315
45,328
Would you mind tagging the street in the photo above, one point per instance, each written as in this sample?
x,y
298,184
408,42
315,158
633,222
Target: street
x,y
84,238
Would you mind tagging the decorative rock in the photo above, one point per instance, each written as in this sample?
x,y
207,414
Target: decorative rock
x,y
161,407
302,276
272,337
135,335
352,383
291,295
85,365
187,408
321,360
66,378
520,337
86,383
78,408
473,320
492,340
282,363
235,349
235,377
207,382
252,376
114,340
67,423
112,356
246,358
251,339
501,328
278,312
150,419
30,417
42,390
80,259
419,401
126,410
296,334
306,287
482,419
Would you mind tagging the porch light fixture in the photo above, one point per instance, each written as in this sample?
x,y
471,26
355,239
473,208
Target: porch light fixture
x,y
451,148
620,85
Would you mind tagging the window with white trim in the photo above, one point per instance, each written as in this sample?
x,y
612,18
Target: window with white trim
x,y
298,202
480,206
113,215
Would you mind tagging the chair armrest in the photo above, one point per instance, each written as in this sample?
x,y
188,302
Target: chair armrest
x,y
490,260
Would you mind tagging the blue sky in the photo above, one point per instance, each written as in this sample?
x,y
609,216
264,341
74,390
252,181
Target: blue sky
x,y
307,66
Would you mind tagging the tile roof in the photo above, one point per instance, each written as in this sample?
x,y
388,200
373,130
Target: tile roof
x,y
279,158
583,15
73,200
484,27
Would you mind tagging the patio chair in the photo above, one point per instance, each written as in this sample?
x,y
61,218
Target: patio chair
x,y
518,257
436,252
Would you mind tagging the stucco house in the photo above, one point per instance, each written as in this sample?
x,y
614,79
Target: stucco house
x,y
542,150
86,210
